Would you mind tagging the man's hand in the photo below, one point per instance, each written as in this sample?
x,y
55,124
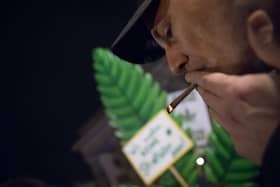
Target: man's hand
x,y
246,106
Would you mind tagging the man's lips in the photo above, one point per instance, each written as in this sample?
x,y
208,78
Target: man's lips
x,y
195,64
193,70
188,70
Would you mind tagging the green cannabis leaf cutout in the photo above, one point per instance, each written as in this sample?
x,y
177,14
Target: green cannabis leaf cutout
x,y
224,165
131,98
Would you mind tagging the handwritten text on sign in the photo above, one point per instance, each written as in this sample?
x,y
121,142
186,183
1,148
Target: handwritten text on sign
x,y
156,147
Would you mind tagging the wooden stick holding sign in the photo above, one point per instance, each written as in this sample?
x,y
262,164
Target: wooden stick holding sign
x,y
178,177
156,147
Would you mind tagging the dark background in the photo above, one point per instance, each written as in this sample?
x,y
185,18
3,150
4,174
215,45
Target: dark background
x,y
47,88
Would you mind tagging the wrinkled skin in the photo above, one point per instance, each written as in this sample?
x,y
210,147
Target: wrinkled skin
x,y
214,41
205,35
246,106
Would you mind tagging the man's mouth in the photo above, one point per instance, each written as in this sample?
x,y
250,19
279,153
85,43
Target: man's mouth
x,y
188,70
195,64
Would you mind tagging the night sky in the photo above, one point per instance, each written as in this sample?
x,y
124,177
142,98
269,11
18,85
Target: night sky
x,y
48,90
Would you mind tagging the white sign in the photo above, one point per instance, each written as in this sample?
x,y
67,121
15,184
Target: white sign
x,y
195,115
157,146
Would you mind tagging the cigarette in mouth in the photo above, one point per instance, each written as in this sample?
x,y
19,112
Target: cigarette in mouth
x,y
170,108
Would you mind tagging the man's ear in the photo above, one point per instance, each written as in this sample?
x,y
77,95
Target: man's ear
x,y
261,37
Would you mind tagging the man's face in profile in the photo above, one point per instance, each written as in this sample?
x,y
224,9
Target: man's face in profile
x,y
203,35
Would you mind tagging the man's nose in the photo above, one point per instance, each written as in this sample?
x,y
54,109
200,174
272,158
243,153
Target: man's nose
x,y
176,60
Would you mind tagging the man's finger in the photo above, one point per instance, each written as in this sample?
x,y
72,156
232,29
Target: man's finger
x,y
213,101
213,82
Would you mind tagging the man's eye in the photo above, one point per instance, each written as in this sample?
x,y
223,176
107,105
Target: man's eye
x,y
169,34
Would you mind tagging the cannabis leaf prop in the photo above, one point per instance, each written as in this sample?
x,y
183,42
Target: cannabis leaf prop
x,y
223,165
131,98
